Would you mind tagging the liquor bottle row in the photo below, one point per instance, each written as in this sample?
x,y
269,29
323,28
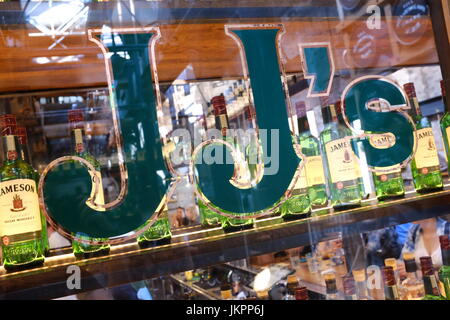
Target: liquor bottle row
x,y
412,285
23,227
331,175
421,282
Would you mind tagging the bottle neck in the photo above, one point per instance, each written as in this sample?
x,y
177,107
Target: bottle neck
x,y
445,257
415,108
78,141
24,154
11,149
412,275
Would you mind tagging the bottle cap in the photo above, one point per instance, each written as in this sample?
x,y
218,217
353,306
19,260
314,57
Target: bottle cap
x,y
391,262
410,262
301,293
359,275
410,90
292,278
250,113
21,133
76,118
8,124
388,275
409,256
219,105
427,266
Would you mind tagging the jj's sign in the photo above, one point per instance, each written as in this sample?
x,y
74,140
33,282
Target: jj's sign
x,y
146,176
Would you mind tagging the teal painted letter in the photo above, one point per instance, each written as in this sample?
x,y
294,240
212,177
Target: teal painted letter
x,y
68,185
271,113
318,66
356,99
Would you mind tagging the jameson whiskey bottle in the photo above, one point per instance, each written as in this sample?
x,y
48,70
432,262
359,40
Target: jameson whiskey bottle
x,y
22,136
158,234
20,221
298,205
388,183
425,164
314,170
429,279
344,174
391,291
412,288
80,249
444,271
222,124
445,124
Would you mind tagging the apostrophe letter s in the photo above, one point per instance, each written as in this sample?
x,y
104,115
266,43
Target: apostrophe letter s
x,y
356,97
260,49
68,186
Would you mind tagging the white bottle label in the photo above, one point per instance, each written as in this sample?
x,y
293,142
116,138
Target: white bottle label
x,y
426,154
341,161
19,207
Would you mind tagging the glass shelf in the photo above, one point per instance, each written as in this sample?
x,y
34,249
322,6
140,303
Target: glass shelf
x,y
194,247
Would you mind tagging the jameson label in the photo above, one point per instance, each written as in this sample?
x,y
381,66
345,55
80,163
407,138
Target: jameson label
x,y
314,171
96,177
382,141
19,205
386,171
426,154
341,162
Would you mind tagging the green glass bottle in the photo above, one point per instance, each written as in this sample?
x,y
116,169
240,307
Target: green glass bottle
x,y
388,181
444,271
315,174
81,249
222,124
344,174
24,155
425,164
20,223
445,125
208,218
298,205
158,234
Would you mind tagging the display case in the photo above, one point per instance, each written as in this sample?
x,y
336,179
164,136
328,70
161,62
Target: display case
x,y
235,150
